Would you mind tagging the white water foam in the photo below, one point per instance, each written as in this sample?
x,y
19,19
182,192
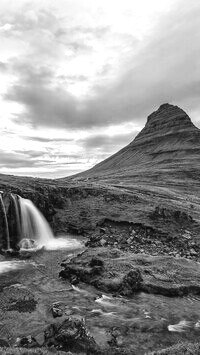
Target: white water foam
x,y
62,243
106,314
36,228
105,301
6,266
182,326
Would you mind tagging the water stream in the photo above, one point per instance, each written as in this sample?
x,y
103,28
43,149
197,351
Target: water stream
x,y
5,222
143,323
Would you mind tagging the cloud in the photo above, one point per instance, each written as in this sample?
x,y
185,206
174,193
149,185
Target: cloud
x,y
46,140
105,142
166,69
3,66
31,154
36,159
15,160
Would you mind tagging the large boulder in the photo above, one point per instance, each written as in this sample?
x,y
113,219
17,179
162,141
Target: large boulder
x,y
95,271
125,273
71,335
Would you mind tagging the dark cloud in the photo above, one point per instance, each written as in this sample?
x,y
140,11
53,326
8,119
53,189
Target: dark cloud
x,y
30,153
106,143
17,160
44,106
46,140
34,159
166,69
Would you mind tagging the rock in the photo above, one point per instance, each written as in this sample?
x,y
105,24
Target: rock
x,y
103,242
4,343
68,311
27,342
70,335
74,279
127,273
56,310
102,230
129,240
18,298
32,351
96,262
27,244
193,252
131,283
40,338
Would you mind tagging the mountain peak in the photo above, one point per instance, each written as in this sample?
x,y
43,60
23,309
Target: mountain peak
x,y
169,141
168,119
167,111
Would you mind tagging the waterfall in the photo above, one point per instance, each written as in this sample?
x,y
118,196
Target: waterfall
x,y
17,214
26,228
34,225
6,222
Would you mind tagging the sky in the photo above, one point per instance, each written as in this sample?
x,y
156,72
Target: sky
x,y
78,78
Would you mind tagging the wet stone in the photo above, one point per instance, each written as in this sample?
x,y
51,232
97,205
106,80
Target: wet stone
x,y
4,343
27,342
70,335
56,310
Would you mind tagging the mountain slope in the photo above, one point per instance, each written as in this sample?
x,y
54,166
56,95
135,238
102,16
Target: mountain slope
x,y
169,140
151,183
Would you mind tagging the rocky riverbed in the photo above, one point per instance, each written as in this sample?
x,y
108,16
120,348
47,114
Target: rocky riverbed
x,y
138,238
101,300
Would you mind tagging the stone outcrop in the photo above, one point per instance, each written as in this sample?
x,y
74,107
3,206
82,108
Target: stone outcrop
x,y
17,298
71,335
111,270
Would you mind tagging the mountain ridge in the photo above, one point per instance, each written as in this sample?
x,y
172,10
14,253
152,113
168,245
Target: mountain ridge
x,y
168,138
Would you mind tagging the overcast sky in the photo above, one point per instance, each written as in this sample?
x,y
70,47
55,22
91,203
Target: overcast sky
x,y
79,77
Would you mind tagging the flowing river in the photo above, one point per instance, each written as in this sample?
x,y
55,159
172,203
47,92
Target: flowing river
x,y
144,323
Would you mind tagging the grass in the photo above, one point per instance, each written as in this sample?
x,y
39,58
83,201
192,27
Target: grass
x,y
23,351
179,349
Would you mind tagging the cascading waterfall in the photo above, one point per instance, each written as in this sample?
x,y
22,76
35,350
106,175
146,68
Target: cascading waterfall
x,y
17,213
25,227
36,228
6,222
34,225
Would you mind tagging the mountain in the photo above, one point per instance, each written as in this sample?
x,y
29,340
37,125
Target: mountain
x,y
168,143
152,184
160,169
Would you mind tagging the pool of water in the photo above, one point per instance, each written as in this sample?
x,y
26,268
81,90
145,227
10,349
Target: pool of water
x,y
143,323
